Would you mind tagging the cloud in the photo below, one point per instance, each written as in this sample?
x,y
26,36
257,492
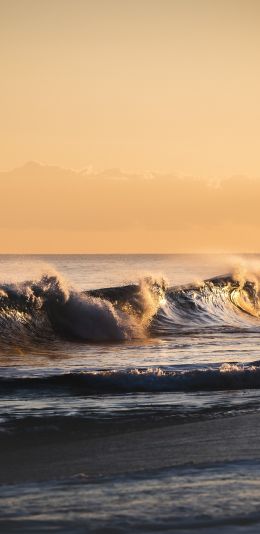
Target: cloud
x,y
53,198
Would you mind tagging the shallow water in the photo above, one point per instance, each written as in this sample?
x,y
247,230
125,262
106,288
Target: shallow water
x,y
226,497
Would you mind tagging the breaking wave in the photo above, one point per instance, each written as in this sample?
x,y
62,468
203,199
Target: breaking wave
x,y
48,309
223,377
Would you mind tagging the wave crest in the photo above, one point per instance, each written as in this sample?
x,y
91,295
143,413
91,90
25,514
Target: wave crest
x,y
224,377
49,308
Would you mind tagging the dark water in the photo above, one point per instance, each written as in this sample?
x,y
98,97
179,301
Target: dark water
x,y
178,337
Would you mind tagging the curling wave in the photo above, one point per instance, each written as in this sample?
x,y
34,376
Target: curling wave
x,y
221,302
41,310
48,309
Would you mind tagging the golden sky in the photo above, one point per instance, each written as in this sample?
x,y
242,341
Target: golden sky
x,y
156,88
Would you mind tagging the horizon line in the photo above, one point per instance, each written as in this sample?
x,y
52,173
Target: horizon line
x,y
128,253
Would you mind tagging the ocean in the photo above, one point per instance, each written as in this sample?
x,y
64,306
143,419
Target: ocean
x,y
102,351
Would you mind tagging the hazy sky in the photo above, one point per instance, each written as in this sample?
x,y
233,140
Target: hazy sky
x,y
51,209
161,86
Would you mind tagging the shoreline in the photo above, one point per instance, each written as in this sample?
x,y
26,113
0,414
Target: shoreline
x,y
61,455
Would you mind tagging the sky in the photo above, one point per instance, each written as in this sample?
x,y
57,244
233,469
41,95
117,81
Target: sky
x,y
157,89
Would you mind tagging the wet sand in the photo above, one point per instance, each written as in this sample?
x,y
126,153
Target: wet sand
x,y
123,449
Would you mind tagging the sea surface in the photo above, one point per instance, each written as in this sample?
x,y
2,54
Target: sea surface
x,y
96,338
